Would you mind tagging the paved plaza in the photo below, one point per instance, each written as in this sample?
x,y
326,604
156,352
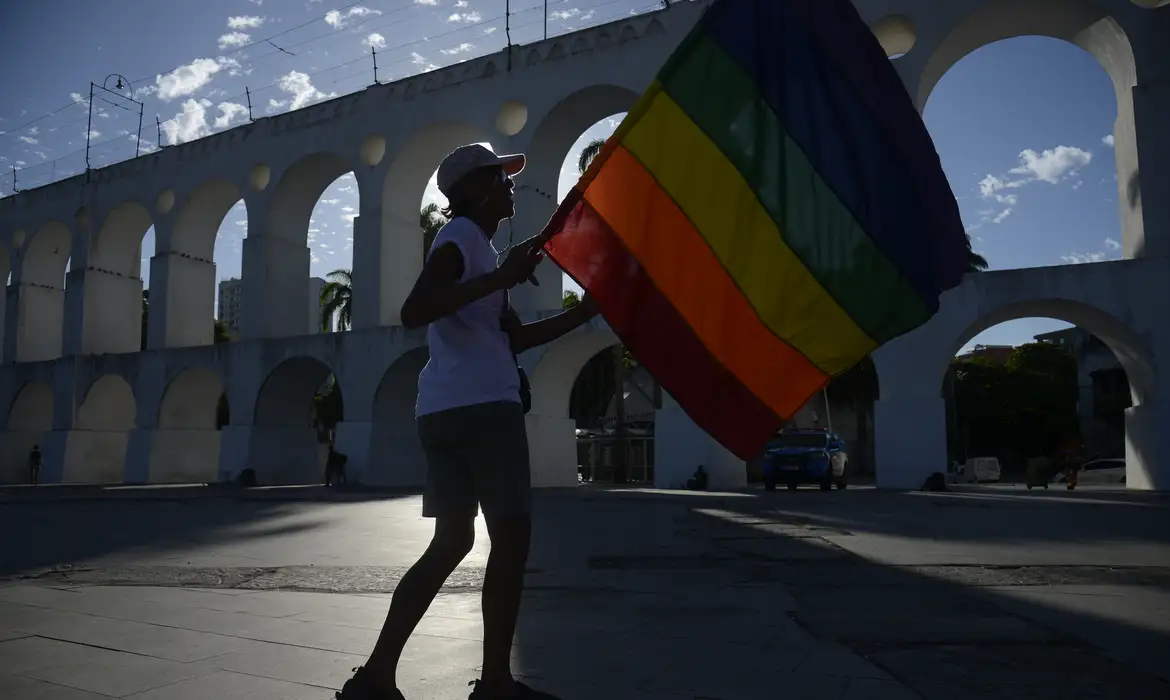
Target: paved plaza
x,y
197,593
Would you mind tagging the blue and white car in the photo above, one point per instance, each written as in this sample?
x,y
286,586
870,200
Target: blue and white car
x,y
809,456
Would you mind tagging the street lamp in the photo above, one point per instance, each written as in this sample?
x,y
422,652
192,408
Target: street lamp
x,y
123,83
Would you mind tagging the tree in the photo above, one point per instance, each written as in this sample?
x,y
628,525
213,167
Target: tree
x,y
975,261
858,387
431,219
570,299
220,334
337,300
591,151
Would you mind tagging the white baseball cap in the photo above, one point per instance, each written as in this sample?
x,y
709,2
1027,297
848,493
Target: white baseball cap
x,y
471,157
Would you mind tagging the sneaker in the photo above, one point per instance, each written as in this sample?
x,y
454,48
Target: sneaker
x,y
360,687
523,692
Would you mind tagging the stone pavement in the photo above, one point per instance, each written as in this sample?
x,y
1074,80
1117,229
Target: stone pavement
x,y
634,595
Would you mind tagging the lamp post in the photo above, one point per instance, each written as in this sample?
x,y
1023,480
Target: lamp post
x,y
122,83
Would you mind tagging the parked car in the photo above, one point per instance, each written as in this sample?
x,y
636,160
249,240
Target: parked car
x,y
805,456
1110,470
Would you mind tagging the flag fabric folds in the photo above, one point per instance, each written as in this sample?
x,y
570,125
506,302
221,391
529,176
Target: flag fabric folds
x,y
770,211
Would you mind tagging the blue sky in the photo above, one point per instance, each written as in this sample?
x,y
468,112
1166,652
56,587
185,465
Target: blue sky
x,y
1020,125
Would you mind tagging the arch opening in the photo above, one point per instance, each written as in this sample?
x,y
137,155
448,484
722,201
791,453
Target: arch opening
x,y
396,454
113,304
297,244
40,310
332,229
1039,388
296,413
982,36
96,452
186,444
29,419
191,271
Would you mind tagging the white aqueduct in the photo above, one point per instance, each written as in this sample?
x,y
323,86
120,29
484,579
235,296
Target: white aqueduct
x,y
74,381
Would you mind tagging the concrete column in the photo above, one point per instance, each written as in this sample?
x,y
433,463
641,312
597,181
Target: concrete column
x,y
182,301
275,271
680,446
368,311
1149,235
33,320
103,313
910,440
552,450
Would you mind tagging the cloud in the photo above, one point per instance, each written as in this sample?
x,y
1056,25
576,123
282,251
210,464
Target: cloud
x,y
375,41
462,48
1081,258
29,140
998,219
188,79
490,30
1053,165
1108,140
232,39
419,60
1112,244
339,18
465,17
93,134
301,88
244,22
432,3
229,112
189,124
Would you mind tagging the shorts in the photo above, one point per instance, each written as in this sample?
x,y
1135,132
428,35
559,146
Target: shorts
x,y
477,458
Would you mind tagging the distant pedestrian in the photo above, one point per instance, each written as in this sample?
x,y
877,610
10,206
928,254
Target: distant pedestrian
x,y
335,467
470,415
34,465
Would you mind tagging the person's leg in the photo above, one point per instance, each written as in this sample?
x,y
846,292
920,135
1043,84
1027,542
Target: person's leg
x,y
451,542
503,485
449,498
503,587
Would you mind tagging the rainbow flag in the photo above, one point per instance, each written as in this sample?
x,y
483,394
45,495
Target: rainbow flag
x,y
769,212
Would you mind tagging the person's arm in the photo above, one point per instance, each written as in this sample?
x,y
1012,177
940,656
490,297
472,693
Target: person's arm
x,y
531,335
438,291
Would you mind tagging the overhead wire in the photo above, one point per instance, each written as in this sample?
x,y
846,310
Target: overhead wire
x,y
462,28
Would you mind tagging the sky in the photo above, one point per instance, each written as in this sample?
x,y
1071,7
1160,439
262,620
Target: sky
x,y
1022,126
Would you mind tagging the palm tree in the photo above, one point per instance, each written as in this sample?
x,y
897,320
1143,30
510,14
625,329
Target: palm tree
x,y
337,300
591,151
975,261
431,219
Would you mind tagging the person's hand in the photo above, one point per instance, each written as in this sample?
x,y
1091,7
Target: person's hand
x,y
520,265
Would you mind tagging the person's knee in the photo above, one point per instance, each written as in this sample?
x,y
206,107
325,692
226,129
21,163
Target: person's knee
x,y
453,538
510,535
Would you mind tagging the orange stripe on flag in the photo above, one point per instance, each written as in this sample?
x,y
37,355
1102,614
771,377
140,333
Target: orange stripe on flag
x,y
680,264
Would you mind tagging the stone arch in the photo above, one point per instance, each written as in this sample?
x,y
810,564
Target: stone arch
x,y
96,449
557,370
188,260
562,125
117,247
1131,350
396,455
200,216
40,305
413,163
186,443
1080,22
301,185
29,417
286,396
286,446
190,400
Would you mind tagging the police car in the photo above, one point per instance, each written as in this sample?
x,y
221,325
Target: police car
x,y
805,456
